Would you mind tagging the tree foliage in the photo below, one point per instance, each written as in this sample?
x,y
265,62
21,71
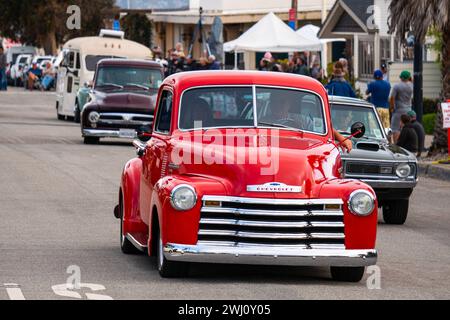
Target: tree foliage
x,y
137,27
43,23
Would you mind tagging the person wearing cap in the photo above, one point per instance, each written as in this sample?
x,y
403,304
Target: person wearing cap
x,y
420,131
266,62
338,86
379,90
400,101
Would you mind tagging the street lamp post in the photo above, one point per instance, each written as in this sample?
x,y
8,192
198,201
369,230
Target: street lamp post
x,y
418,80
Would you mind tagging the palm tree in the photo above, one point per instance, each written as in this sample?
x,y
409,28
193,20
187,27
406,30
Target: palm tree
x,y
419,16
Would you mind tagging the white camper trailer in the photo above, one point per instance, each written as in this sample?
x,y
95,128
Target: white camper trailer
x,y
79,60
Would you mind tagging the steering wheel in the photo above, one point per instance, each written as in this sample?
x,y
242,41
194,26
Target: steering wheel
x,y
289,123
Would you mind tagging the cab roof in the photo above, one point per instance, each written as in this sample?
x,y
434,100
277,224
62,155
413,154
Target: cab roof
x,y
130,62
189,79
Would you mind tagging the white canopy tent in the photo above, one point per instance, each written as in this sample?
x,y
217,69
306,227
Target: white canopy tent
x,y
311,32
270,34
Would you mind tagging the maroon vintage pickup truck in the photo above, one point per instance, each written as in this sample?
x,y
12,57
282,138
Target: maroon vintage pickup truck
x,y
122,99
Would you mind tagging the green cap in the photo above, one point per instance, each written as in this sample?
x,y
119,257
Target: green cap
x,y
405,75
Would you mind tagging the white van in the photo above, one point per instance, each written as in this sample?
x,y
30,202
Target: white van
x,y
14,52
79,60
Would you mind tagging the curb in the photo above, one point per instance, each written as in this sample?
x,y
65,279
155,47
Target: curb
x,y
433,171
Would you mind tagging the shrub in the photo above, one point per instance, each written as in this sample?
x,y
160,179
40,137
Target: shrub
x,y
428,121
430,105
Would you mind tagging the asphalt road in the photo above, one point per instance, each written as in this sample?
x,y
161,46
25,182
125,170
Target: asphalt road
x,y
56,208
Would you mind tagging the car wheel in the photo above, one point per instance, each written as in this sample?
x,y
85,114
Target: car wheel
x,y
59,116
91,140
166,268
125,245
77,115
347,274
395,212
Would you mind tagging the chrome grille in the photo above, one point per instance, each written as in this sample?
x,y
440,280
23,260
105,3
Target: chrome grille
x,y
125,118
237,221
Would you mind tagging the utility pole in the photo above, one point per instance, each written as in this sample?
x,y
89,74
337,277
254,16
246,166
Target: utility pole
x,y
293,15
418,79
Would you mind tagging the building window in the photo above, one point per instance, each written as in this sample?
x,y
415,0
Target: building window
x,y
385,50
366,59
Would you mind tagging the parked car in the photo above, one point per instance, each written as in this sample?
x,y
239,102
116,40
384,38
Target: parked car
x,y
122,99
18,69
389,169
198,192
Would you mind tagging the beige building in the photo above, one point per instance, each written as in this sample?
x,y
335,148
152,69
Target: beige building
x,y
171,27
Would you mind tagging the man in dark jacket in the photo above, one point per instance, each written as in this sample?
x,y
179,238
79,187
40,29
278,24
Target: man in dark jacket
x,y
408,136
420,131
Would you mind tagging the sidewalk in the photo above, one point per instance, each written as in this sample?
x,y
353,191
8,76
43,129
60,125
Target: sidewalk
x,y
428,168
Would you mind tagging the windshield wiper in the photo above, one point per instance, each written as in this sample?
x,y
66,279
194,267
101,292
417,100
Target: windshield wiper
x,y
110,85
349,134
277,125
138,86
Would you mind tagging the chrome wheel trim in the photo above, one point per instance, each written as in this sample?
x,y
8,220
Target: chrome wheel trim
x,y
160,254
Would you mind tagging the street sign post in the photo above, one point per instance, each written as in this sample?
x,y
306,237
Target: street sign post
x,y
445,106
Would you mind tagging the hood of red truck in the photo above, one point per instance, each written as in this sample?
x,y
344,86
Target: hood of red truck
x,y
271,165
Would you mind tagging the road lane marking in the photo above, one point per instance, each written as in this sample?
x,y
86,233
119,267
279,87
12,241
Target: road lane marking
x,y
14,292
67,291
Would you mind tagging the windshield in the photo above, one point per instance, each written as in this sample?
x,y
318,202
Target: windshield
x,y
91,61
129,78
233,107
343,116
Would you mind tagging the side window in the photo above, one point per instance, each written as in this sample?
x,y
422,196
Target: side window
x,y
70,59
77,60
164,115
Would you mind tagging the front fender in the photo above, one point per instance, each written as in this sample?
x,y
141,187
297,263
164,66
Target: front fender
x,y
182,226
360,232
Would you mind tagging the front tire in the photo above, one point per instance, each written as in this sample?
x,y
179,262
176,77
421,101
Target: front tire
x,y
166,268
347,274
396,212
91,140
77,115
59,116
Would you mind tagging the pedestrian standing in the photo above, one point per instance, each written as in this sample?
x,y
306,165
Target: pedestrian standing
x,y
385,72
379,90
408,137
338,86
400,101
265,64
213,63
301,67
3,64
420,131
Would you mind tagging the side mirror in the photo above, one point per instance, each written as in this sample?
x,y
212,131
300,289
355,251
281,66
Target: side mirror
x,y
88,84
388,131
358,129
144,133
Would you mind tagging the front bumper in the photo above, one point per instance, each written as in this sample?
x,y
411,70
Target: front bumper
x,y
390,183
282,256
101,133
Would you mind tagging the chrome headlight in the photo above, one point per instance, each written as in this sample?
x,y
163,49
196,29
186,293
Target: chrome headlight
x,y
183,197
361,202
403,170
94,117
